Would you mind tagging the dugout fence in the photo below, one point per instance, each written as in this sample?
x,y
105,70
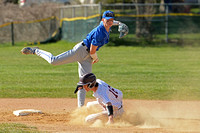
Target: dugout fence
x,y
166,22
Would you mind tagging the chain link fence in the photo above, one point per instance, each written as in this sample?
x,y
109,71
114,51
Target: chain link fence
x,y
78,21
29,31
166,22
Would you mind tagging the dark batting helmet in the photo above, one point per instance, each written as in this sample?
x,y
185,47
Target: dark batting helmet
x,y
89,79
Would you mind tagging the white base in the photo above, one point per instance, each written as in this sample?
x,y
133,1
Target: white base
x,y
26,112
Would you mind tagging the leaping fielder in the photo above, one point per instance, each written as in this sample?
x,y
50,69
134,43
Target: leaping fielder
x,y
84,52
109,98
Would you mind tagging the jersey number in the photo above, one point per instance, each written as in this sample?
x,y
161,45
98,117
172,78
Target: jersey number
x,y
115,93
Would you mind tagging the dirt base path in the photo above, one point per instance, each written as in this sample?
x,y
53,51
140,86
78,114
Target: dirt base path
x,y
62,115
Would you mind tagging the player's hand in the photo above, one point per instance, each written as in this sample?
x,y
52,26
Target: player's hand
x,y
110,120
94,57
104,107
95,61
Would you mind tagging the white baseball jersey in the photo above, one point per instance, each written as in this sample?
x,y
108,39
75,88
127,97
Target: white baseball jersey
x,y
106,93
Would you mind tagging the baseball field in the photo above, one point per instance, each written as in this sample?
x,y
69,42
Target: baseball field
x,y
160,86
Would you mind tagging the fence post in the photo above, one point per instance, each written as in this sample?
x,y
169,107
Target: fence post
x,y
100,10
73,12
85,11
166,22
85,22
73,23
61,13
12,34
53,26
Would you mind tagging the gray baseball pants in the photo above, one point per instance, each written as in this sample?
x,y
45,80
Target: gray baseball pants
x,y
79,54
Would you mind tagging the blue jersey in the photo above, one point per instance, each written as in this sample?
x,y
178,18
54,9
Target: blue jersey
x,y
97,37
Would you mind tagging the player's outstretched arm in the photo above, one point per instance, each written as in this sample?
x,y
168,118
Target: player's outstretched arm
x,y
122,28
116,23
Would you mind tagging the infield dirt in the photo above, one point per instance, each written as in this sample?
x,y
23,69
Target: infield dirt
x,y
141,116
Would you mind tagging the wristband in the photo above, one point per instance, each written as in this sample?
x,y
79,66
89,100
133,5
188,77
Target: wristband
x,y
94,56
110,110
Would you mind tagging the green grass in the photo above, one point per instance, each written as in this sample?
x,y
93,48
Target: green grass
x,y
16,128
159,73
195,10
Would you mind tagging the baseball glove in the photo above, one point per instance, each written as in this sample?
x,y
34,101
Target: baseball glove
x,y
123,29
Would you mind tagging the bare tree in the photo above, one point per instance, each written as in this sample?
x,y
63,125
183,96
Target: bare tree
x,y
143,21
